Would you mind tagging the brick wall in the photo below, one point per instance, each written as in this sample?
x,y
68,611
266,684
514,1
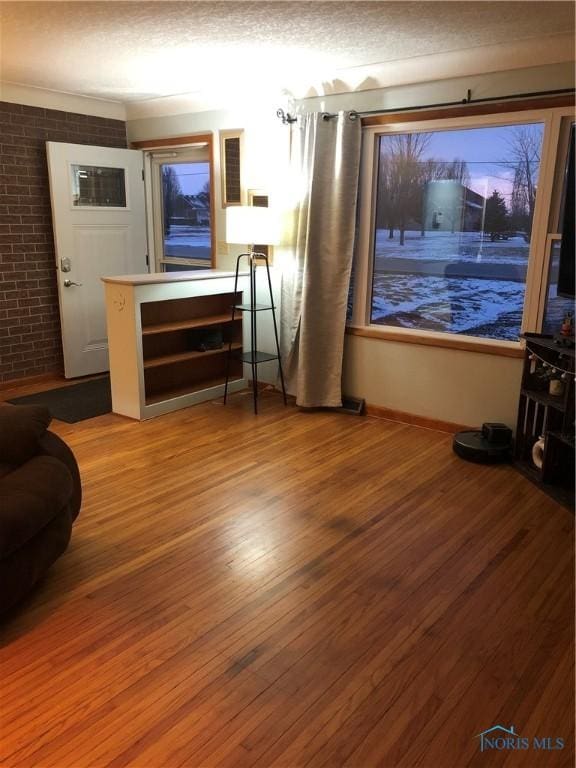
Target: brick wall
x,y
30,342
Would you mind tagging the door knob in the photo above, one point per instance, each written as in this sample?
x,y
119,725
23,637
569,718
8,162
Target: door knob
x,y
69,283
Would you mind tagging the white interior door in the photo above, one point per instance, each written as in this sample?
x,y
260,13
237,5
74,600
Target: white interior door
x,y
99,219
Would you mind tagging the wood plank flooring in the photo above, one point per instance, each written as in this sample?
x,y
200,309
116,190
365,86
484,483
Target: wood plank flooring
x,y
292,589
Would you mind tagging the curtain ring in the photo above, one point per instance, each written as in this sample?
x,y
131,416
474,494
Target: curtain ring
x,y
353,115
286,117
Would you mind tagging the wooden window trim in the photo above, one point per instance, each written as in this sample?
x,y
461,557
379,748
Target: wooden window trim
x,y
447,341
358,326
182,142
224,135
174,141
469,110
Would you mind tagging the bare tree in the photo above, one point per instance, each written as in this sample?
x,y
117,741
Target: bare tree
x,y
457,170
171,191
204,195
387,194
401,179
525,162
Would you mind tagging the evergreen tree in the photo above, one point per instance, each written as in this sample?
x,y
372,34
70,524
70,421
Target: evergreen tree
x,y
496,215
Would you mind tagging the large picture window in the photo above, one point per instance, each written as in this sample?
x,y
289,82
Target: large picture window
x,y
453,225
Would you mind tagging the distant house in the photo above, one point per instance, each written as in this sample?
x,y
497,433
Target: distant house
x,y
189,210
449,206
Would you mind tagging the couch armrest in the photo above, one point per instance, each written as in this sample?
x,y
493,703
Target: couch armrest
x,y
21,428
53,445
30,497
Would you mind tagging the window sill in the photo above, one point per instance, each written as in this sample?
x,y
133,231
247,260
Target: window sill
x,y
447,341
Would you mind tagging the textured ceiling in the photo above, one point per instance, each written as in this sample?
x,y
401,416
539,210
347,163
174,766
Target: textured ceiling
x,y
131,51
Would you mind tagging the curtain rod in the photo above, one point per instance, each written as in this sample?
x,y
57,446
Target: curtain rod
x,y
287,118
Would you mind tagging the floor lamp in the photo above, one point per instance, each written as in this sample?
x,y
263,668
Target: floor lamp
x,y
250,224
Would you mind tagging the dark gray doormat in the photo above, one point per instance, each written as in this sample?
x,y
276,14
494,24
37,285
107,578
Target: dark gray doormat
x,y
75,402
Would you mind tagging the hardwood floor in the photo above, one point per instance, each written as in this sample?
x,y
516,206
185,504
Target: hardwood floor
x,y
287,590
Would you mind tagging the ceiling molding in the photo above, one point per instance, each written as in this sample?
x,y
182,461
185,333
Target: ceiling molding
x,y
15,93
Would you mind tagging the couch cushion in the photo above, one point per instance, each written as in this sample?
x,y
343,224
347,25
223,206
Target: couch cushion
x,y
6,469
22,569
21,427
30,497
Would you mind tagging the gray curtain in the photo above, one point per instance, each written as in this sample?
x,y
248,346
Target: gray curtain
x,y
325,161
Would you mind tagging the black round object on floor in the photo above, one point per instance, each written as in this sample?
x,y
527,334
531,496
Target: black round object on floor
x,y
473,446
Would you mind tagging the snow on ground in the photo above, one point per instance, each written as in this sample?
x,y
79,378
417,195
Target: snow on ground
x,y
460,246
453,283
188,242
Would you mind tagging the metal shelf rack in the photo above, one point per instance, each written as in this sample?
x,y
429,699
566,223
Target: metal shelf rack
x,y
253,356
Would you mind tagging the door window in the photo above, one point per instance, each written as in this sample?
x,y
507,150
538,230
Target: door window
x,y
182,202
95,186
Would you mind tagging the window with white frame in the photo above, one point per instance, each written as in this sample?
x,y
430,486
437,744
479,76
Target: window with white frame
x,y
181,207
453,225
555,304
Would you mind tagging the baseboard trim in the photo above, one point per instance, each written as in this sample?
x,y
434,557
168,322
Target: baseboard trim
x,y
39,378
413,419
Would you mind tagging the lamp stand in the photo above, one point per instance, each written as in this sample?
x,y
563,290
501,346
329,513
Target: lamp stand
x,y
253,357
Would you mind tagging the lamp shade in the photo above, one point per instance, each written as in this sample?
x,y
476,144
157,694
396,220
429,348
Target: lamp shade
x,y
247,224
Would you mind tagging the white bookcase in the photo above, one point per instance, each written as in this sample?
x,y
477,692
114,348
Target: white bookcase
x,y
153,324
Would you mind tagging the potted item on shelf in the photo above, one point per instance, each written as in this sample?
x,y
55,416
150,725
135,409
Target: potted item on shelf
x,y
556,387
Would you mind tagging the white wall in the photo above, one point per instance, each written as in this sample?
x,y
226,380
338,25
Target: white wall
x,y
265,154
445,384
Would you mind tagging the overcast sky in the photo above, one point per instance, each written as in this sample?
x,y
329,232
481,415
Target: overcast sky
x,y
192,176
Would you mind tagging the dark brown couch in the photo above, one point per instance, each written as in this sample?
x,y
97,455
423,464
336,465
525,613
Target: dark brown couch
x,y
40,497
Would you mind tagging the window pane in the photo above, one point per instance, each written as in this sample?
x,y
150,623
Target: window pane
x,y
186,210
453,219
98,186
556,306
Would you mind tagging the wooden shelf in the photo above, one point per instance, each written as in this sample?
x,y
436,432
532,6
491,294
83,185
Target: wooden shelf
x,y
181,325
155,362
562,495
544,398
568,440
170,393
168,348
554,421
